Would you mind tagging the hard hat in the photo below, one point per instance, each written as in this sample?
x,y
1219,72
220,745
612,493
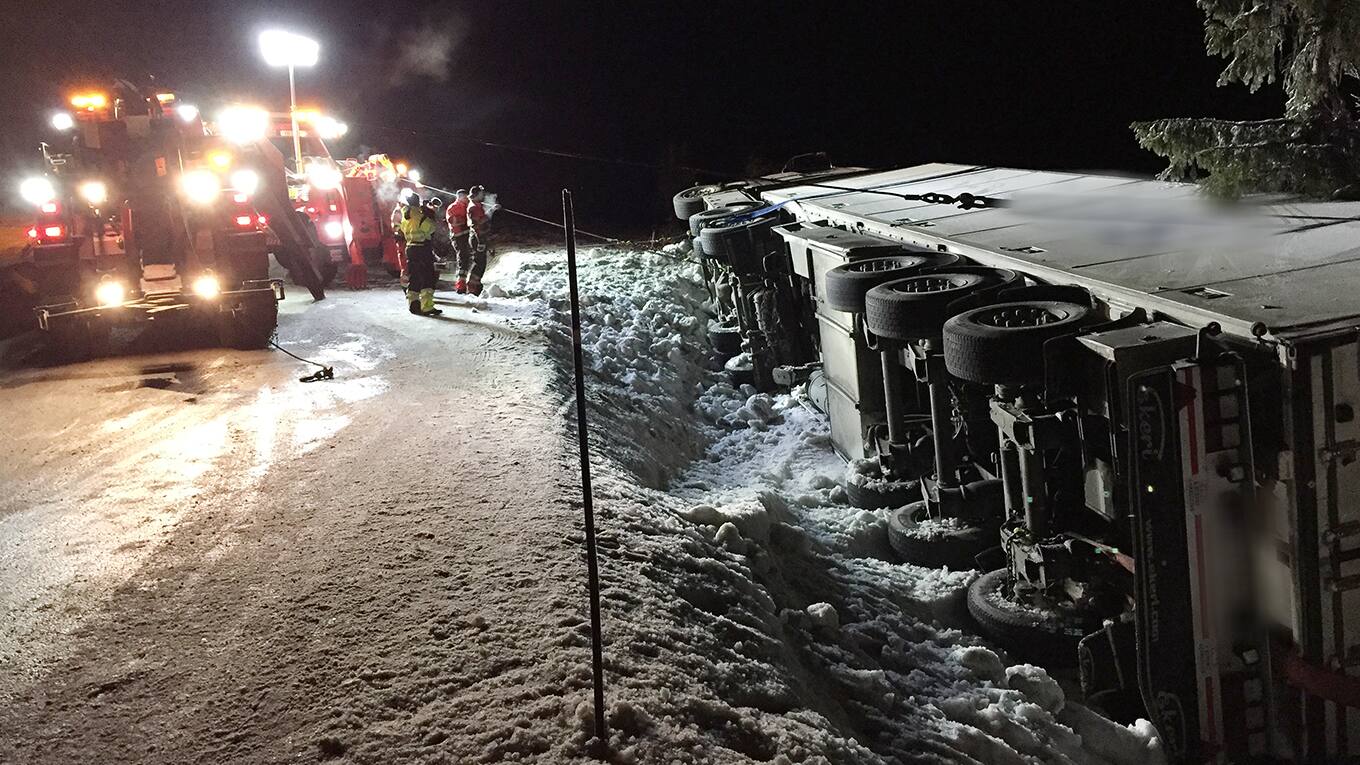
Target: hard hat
x,y
436,202
409,196
476,191
460,193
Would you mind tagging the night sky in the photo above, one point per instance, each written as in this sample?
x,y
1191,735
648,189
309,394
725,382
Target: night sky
x,y
723,86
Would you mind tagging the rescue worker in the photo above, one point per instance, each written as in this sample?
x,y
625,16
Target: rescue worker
x,y
479,220
455,215
403,200
417,228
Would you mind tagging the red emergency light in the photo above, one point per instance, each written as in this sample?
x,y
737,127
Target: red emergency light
x,y
54,232
32,232
245,221
50,207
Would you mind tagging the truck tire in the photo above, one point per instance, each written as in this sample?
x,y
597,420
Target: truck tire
x,y
699,219
725,339
1002,344
918,306
955,549
1045,636
691,200
250,327
873,498
739,244
847,283
740,370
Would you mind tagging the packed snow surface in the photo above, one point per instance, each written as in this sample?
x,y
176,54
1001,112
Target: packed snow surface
x,y
750,615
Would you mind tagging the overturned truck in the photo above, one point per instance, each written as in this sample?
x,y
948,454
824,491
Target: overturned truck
x,y
1133,413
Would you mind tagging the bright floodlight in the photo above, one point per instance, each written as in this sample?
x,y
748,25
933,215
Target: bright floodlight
x,y
414,175
245,181
207,286
110,293
329,128
323,176
37,190
94,192
287,49
201,186
243,124
63,121
187,112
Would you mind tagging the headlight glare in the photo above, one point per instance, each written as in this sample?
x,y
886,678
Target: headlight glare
x,y
207,286
110,293
201,186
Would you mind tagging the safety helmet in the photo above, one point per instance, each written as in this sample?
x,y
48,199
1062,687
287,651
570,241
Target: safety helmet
x,y
476,192
460,193
435,203
409,197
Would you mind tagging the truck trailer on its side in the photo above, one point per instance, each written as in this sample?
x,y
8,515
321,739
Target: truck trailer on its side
x,y
1135,414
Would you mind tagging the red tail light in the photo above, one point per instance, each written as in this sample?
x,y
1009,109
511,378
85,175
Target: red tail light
x,y
33,232
50,207
334,208
245,221
54,232
263,220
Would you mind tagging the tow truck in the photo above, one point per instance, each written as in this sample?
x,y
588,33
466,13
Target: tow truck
x,y
147,212
1134,414
347,200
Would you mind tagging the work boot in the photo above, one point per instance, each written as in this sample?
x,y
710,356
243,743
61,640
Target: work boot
x,y
413,301
474,287
460,286
427,303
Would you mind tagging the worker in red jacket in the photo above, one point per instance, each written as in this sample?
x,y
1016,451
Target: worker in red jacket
x,y
456,216
479,220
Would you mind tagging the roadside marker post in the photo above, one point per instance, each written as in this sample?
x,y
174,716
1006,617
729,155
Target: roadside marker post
x,y
588,502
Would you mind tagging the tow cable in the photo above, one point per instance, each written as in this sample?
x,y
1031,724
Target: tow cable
x,y
601,237
324,373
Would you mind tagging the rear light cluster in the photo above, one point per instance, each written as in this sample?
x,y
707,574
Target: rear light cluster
x,y
47,234
244,216
49,228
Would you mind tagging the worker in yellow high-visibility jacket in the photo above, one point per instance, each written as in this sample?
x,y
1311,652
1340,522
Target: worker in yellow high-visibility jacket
x,y
417,228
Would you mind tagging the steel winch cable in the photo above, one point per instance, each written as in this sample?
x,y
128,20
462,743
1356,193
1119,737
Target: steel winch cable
x,y
323,373
545,221
544,151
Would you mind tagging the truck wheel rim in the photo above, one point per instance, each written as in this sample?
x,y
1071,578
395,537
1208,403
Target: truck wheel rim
x,y
878,265
1017,316
940,283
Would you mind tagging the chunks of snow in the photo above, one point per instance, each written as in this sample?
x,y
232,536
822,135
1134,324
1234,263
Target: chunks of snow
x,y
824,615
1035,683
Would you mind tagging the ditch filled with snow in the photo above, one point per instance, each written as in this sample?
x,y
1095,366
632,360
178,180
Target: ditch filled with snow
x,y
749,613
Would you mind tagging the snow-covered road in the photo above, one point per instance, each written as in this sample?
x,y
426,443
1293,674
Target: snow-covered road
x,y
204,560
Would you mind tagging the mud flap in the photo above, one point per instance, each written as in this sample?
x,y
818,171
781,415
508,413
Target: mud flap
x,y
1164,618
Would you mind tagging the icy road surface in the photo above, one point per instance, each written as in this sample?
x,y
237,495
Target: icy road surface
x,y
203,560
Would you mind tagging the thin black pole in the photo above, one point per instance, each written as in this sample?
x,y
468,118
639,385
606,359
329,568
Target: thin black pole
x,y
588,504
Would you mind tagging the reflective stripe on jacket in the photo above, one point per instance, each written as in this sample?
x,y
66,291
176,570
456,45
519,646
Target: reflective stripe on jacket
x,y
416,226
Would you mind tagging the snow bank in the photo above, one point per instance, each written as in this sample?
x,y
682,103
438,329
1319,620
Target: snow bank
x,y
750,614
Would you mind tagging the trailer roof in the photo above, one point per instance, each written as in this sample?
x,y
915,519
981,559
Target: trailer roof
x,y
1288,268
